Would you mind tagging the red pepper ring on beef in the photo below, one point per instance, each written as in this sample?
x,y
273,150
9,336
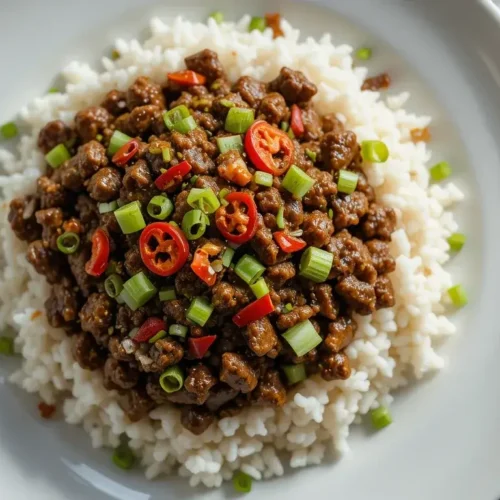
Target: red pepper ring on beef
x,y
149,329
201,263
288,243
126,153
269,148
100,253
237,221
296,123
187,77
173,176
164,248
254,311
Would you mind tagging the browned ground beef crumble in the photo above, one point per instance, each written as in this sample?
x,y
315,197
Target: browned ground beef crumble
x,y
243,366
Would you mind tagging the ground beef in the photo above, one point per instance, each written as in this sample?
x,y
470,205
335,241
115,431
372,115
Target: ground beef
x,y
364,187
228,298
137,183
261,336
62,304
196,419
117,350
330,123
175,310
139,404
264,245
53,134
384,292
335,366
380,222
207,63
96,316
199,381
140,120
296,315
105,184
270,390
145,91
279,274
219,396
349,209
118,375
45,261
322,191
273,108
22,218
318,229
251,90
358,294
92,121
164,353
188,284
77,263
269,201
312,124
381,257
379,82
237,372
293,85
115,102
233,168
293,212
322,296
87,353
51,193
181,207
340,334
339,149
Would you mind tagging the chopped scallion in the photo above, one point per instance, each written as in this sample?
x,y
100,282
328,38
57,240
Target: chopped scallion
x,y
263,178
380,417
457,241
315,264
160,207
118,139
137,291
312,155
458,296
6,346
229,143
194,224
257,23
249,269
105,208
288,307
347,181
280,219
364,53
440,171
260,288
374,151
57,156
167,294
161,334
227,257
203,199
302,337
217,16
113,285
53,90
123,457
238,120
295,373
185,125
178,330
68,243
199,311
9,130
166,155
284,126
175,115
130,218
222,195
172,379
297,182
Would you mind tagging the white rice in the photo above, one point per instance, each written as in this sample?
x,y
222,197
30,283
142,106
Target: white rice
x,y
392,347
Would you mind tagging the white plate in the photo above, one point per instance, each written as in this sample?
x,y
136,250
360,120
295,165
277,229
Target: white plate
x,y
445,443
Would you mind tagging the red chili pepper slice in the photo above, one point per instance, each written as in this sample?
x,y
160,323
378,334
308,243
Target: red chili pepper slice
x,y
173,176
46,411
149,329
198,347
164,248
201,263
296,122
126,152
269,148
187,77
237,221
254,311
288,243
100,253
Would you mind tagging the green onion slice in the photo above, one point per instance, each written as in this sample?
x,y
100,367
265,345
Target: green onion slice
x,y
68,243
217,16
161,334
6,346
113,285
263,178
312,155
297,182
380,417
105,208
9,130
203,199
166,155
57,156
374,151
284,126
130,218
172,379
249,269
347,181
295,373
160,207
194,224
457,241
227,257
167,294
175,115
260,288
222,196
315,264
123,457
242,483
178,330
458,296
288,307
229,143
257,23
238,120
440,171
118,139
364,53
137,291
280,219
302,337
185,125
199,311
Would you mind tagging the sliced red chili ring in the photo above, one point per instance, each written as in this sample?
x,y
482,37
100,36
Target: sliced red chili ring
x,y
254,311
201,263
149,329
234,223
198,347
173,176
100,253
296,123
269,148
126,153
288,243
164,248
187,77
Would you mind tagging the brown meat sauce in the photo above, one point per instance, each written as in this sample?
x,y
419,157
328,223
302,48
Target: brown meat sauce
x,y
244,365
